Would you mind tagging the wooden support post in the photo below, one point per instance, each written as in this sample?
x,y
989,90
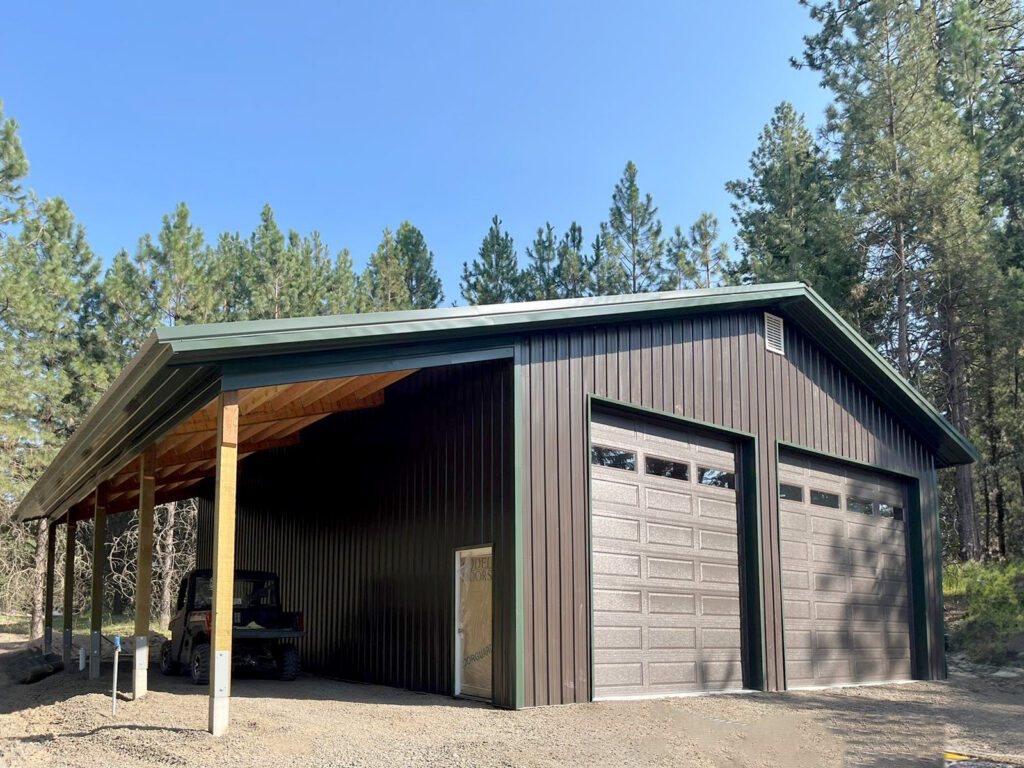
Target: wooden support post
x,y
69,589
144,572
51,566
99,557
223,561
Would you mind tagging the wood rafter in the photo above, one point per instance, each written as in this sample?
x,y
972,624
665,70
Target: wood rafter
x,y
268,417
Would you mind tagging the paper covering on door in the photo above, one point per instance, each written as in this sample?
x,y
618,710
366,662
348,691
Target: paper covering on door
x,y
475,581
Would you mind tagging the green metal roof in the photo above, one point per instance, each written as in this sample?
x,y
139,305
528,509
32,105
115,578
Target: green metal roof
x,y
179,369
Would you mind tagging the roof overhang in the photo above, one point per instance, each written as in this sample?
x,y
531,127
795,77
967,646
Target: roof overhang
x,y
179,370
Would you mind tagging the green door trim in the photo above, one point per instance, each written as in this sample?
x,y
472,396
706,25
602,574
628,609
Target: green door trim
x,y
519,697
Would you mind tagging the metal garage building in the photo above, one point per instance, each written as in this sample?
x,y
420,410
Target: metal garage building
x,y
546,503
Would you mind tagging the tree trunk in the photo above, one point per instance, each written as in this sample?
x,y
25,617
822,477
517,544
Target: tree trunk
x,y
902,303
39,579
1000,516
986,494
957,397
167,566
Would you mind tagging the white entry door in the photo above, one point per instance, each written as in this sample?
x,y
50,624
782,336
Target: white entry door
x,y
473,641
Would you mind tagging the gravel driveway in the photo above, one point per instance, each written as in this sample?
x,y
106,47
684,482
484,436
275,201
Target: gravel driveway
x,y
66,721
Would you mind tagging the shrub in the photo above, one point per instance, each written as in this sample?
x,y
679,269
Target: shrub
x,y
992,598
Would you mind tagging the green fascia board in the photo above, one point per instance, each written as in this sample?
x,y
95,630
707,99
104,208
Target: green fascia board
x,y
175,367
828,328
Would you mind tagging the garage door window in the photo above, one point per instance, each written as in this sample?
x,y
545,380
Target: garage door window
x,y
716,478
677,470
616,458
825,499
791,492
890,510
860,506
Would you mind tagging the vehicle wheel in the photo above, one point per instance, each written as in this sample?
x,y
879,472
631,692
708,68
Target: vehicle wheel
x,y
167,666
287,662
199,667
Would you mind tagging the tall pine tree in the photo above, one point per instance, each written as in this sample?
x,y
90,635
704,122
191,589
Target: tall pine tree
x,y
633,233
493,277
789,222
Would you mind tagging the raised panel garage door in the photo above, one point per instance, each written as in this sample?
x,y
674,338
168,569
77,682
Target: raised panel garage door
x,y
845,601
665,590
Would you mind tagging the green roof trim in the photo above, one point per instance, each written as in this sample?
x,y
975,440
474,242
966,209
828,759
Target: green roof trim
x,y
177,370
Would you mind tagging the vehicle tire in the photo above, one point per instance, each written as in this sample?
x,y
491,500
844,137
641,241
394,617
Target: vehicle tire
x,y
167,665
287,662
199,666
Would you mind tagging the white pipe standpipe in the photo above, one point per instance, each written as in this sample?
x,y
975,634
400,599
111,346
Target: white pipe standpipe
x,y
117,654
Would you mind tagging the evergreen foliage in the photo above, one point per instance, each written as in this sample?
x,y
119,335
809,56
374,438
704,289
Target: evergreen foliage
x,y
493,277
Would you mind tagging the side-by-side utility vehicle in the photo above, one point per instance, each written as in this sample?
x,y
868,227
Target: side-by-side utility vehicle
x,y
262,635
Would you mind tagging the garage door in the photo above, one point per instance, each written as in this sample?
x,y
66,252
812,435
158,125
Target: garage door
x,y
845,603
665,584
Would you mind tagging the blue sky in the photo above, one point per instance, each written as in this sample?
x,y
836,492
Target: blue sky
x,y
350,119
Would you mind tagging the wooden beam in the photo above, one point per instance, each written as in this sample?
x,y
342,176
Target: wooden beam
x,y
51,565
144,572
69,589
195,433
99,558
205,454
223,562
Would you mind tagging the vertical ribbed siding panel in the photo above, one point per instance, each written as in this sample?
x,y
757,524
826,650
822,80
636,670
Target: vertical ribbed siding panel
x,y
713,368
361,522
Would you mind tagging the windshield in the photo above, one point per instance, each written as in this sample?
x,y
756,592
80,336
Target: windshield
x,y
249,593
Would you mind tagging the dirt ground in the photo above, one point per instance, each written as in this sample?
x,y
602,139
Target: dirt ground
x,y
64,720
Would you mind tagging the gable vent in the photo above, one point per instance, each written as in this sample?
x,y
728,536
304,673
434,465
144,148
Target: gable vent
x,y
773,336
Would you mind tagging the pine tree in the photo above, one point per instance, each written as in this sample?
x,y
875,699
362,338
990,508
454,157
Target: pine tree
x,y
790,224
13,168
539,279
610,277
912,179
344,296
47,271
634,233
384,283
696,259
493,277
574,276
422,281
268,275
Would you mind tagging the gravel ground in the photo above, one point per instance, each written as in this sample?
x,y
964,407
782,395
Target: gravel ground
x,y
64,720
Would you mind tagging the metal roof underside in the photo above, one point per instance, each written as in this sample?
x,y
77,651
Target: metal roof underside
x,y
178,370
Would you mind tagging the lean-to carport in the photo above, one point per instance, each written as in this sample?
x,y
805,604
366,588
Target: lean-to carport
x,y
208,444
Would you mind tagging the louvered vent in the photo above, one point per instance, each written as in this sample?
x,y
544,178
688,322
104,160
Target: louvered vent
x,y
773,334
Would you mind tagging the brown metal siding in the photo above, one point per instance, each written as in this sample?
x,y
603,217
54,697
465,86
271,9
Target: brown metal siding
x,y
712,368
361,522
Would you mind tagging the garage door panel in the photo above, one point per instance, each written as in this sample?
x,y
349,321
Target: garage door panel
x,y
794,521
615,492
665,569
628,637
717,509
617,528
669,535
672,603
661,500
607,564
672,638
616,600
844,576
674,674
